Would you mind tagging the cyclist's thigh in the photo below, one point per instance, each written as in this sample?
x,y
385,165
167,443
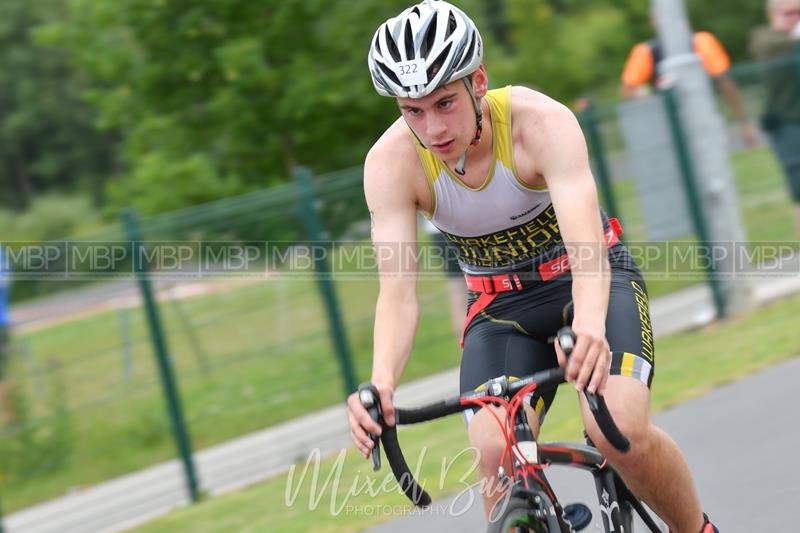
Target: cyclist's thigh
x,y
493,349
628,328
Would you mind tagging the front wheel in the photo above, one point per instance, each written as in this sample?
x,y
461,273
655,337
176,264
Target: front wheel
x,y
517,515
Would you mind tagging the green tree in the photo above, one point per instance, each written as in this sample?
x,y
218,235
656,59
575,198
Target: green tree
x,y
564,52
731,21
47,138
225,96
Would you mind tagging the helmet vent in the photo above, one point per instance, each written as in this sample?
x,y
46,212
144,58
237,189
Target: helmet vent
x,y
468,55
451,25
408,38
393,50
430,39
437,65
388,73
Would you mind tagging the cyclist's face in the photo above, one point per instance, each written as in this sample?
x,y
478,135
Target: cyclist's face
x,y
443,120
785,15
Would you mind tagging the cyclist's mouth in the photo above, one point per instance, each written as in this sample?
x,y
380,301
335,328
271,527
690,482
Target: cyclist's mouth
x,y
442,147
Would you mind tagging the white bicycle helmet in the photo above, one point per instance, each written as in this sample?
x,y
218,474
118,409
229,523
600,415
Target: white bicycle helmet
x,y
423,48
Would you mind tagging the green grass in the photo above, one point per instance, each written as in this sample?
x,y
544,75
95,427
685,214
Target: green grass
x,y
262,344
687,365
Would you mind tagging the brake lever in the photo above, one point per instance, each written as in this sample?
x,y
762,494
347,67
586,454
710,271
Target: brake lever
x,y
566,338
368,395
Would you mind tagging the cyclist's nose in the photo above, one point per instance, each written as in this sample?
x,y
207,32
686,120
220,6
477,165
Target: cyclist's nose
x,y
434,126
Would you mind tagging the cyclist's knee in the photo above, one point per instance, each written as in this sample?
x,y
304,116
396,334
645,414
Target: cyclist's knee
x,y
486,438
628,402
640,438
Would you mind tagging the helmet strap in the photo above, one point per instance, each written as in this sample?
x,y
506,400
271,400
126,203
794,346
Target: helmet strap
x,y
461,165
414,133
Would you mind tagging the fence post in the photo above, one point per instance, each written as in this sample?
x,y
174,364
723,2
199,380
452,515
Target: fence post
x,y
692,194
590,123
797,56
163,359
302,176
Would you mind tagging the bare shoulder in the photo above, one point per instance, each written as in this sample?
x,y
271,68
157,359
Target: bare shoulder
x,y
392,169
540,122
536,116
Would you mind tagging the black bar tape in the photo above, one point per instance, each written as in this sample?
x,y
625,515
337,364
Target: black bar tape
x,y
599,409
402,473
428,412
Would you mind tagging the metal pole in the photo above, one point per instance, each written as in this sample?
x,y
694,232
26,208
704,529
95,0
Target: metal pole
x,y
692,195
797,56
163,359
127,356
706,142
335,324
590,122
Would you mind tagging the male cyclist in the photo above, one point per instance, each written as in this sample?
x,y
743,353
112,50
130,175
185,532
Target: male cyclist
x,y
504,174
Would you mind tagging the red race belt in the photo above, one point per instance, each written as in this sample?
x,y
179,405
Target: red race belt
x,y
490,286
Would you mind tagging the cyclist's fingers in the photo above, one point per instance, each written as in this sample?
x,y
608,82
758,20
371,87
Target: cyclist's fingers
x,y
586,369
358,433
361,439
361,415
363,448
600,374
576,359
386,406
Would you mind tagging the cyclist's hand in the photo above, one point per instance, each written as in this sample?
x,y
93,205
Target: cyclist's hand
x,y
361,424
589,363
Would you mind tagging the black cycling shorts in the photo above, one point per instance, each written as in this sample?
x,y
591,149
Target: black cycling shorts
x,y
510,337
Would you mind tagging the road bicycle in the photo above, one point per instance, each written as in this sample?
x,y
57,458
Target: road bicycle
x,y
530,504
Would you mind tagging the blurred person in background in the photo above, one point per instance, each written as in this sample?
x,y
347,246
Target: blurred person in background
x,y
781,118
5,324
641,74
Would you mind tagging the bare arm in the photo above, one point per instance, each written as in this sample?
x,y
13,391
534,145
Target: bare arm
x,y
564,163
730,92
394,234
392,206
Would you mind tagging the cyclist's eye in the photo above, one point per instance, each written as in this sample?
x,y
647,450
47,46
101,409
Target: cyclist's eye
x,y
414,112
446,104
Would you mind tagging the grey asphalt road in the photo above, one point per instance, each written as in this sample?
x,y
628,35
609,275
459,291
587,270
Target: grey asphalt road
x,y
742,442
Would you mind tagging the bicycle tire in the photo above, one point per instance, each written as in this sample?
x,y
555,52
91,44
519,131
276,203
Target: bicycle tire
x,y
516,514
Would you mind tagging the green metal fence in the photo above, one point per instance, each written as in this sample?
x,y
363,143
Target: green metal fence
x,y
245,338
765,203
